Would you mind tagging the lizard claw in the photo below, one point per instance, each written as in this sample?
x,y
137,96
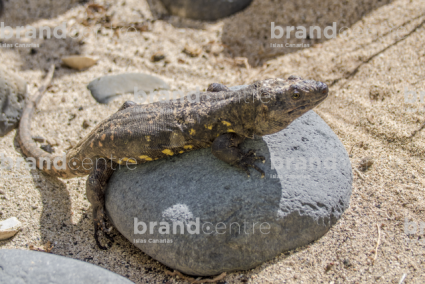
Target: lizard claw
x,y
248,160
99,223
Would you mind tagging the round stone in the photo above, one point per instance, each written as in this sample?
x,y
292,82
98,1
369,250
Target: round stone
x,y
22,266
199,215
206,10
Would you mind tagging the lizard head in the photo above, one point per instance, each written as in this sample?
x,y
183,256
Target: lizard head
x,y
282,101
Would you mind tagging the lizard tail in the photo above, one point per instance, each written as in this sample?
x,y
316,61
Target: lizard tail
x,y
53,165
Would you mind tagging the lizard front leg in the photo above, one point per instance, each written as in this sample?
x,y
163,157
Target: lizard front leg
x,y
225,147
95,191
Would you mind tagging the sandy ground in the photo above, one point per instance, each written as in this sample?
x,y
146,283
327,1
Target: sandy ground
x,y
368,73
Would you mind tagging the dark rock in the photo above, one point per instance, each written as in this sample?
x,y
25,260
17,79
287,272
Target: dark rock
x,y
105,89
20,266
12,100
48,148
157,57
306,189
207,10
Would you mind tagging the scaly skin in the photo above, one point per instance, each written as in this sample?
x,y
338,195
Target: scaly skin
x,y
221,119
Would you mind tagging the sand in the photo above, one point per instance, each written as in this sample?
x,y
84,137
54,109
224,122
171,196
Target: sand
x,y
368,74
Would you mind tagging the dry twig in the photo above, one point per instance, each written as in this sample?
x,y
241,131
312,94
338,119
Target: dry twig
x,y
359,174
402,278
377,243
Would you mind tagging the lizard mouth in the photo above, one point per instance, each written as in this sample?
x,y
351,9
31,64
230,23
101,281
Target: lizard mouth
x,y
298,108
314,103
321,99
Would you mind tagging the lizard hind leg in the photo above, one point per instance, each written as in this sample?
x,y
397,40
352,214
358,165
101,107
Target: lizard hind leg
x,y
225,147
95,190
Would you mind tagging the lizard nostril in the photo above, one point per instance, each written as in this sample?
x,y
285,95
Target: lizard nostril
x,y
324,88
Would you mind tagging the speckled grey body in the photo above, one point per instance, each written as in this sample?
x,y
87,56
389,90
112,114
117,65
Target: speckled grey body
x,y
143,133
299,204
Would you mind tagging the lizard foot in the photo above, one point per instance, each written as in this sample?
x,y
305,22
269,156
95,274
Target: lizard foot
x,y
248,160
225,147
99,222
95,190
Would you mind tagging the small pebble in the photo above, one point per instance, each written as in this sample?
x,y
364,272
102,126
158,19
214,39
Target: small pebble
x,y
192,51
38,139
9,227
72,116
157,57
86,124
366,163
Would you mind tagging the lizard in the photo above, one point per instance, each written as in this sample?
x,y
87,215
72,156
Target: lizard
x,y
221,119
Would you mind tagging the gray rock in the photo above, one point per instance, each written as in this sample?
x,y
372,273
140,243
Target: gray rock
x,y
207,10
12,100
106,88
20,266
293,205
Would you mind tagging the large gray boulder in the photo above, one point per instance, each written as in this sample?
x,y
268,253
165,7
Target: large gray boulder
x,y
22,266
238,222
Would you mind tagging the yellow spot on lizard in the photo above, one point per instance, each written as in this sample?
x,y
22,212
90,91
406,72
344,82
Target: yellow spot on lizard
x,y
188,147
192,131
181,152
209,126
168,152
144,157
226,123
129,160
148,138
230,130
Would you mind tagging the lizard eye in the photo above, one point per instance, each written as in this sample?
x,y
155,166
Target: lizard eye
x,y
265,97
296,95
